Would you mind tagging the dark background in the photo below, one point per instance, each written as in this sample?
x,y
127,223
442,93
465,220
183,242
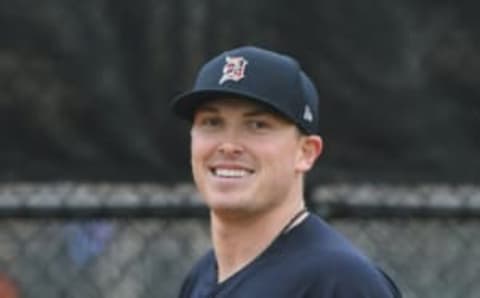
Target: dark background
x,y
85,85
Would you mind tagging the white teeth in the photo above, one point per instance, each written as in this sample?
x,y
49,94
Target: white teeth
x,y
229,173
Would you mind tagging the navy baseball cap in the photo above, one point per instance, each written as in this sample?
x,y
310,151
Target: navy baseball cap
x,y
259,75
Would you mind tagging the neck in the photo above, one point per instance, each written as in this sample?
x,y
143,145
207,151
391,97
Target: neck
x,y
238,241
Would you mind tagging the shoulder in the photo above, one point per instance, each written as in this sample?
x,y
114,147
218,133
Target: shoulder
x,y
198,274
340,273
330,263
206,262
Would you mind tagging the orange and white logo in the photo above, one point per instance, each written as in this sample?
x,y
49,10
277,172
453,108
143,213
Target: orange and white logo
x,y
234,69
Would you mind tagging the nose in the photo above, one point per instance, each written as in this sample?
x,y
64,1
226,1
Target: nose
x,y
230,149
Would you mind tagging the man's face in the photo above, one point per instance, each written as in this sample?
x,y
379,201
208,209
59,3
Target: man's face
x,y
247,159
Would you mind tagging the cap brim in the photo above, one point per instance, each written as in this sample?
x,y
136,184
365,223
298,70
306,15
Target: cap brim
x,y
185,104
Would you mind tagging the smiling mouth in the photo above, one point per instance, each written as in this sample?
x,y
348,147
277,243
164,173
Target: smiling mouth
x,y
231,173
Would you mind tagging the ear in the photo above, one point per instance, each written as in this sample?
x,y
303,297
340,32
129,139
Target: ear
x,y
311,148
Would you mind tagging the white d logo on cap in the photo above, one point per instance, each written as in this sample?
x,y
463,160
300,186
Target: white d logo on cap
x,y
234,69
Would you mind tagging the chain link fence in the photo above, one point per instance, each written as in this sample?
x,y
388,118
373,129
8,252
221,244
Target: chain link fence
x,y
139,240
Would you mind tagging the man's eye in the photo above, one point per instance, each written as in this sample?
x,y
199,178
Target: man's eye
x,y
211,122
258,124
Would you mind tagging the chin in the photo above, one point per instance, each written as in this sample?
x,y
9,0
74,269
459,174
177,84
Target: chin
x,y
225,201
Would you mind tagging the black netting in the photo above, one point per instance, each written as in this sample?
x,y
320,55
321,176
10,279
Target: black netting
x,y
139,241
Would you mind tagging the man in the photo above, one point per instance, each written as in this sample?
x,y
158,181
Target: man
x,y
253,138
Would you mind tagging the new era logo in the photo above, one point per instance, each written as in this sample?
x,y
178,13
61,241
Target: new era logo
x,y
307,114
234,69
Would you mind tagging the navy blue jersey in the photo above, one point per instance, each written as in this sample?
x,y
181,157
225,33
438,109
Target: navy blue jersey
x,y
310,261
